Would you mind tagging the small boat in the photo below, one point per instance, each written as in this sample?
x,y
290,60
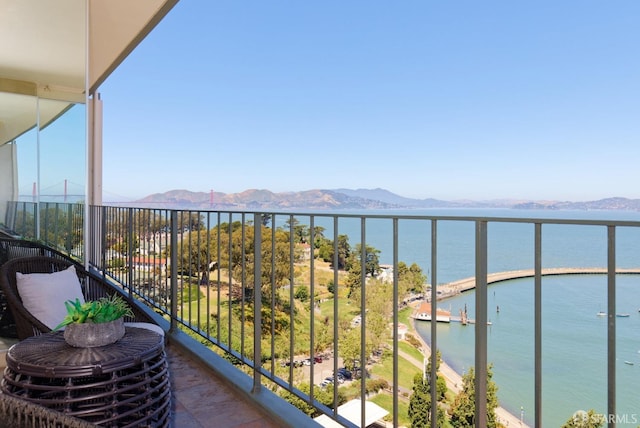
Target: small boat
x,y
629,362
623,315
601,314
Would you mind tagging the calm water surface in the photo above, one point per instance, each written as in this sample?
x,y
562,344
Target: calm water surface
x,y
574,337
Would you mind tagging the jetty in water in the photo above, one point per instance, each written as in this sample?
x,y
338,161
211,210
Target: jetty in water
x,y
460,286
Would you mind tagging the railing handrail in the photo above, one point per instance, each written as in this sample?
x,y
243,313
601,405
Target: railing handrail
x,y
176,309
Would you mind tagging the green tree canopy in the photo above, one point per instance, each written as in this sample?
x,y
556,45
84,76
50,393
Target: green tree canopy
x,y
582,419
463,408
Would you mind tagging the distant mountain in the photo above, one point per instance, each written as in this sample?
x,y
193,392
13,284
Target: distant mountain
x,y
393,199
601,204
260,199
323,199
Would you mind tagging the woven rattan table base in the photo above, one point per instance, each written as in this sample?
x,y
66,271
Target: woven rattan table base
x,y
125,384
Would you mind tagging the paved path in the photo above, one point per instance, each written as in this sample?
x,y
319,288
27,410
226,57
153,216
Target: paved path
x,y
454,382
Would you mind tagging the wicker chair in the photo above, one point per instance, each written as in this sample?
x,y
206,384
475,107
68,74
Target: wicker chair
x,y
93,288
17,413
15,248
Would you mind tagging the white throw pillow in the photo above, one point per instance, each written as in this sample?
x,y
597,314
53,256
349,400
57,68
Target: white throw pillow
x,y
44,294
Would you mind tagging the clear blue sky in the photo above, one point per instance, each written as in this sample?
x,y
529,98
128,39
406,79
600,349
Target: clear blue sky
x,y
444,99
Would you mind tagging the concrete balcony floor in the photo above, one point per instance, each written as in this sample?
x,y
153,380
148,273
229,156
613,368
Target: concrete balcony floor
x,y
200,399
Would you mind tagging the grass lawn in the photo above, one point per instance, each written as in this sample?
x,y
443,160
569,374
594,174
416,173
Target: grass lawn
x,y
404,316
385,401
411,350
406,371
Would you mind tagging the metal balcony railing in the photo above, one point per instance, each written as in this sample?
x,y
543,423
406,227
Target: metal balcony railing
x,y
251,284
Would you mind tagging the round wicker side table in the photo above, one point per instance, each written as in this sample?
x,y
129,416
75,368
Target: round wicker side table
x,y
124,384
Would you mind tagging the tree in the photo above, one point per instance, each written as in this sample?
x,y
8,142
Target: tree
x,y
410,278
322,395
582,419
463,409
318,236
344,251
350,347
420,402
302,293
371,264
265,219
300,231
191,221
327,252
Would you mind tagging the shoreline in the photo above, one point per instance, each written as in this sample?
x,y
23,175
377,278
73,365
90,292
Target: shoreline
x,y
454,383
452,289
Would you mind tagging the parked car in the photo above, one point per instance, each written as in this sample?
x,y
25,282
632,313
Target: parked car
x,y
346,374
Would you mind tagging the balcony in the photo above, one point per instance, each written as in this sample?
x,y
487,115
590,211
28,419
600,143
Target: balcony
x,y
274,323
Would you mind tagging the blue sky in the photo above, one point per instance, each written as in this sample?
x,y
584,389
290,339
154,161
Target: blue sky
x,y
443,99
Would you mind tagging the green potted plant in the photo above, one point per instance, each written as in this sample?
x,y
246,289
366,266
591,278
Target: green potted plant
x,y
94,323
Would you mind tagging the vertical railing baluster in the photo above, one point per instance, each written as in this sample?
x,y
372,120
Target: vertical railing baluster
x,y
273,294
312,305
230,279
256,251
257,305
218,276
433,375
611,325
130,241
481,325
174,271
336,267
538,325
363,323
396,381
291,309
68,243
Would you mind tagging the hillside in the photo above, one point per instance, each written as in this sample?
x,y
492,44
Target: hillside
x,y
349,199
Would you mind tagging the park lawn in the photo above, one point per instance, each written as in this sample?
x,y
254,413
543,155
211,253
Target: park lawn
x,y
411,350
346,311
323,276
404,315
385,401
406,371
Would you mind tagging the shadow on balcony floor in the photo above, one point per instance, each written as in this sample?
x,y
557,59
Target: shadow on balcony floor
x,y
200,399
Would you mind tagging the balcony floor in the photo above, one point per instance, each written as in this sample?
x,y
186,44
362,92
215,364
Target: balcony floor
x,y
200,399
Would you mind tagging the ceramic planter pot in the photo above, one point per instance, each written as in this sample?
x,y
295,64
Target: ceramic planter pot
x,y
91,335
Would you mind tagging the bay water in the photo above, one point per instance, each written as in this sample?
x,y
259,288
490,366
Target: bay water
x,y
574,352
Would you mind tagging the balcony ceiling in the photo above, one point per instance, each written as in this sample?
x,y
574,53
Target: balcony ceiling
x,y
44,51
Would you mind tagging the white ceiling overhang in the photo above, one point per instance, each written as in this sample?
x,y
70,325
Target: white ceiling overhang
x,y
44,52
